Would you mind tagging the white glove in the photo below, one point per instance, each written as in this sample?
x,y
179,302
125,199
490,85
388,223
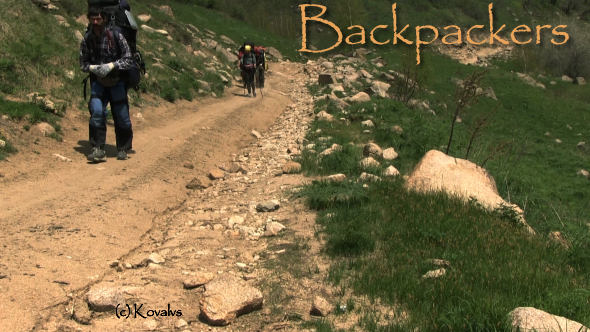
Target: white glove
x,y
104,70
93,69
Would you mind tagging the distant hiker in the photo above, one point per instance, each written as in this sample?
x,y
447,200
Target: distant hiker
x,y
248,66
103,61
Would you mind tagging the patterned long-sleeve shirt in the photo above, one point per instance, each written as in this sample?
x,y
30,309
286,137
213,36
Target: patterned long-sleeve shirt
x,y
103,53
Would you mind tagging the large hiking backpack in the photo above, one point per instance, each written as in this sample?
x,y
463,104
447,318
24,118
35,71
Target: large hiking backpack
x,y
259,52
120,21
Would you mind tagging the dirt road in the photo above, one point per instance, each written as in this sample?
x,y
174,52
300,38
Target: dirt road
x,y
62,222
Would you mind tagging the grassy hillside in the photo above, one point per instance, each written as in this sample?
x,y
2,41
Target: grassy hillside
x,y
381,236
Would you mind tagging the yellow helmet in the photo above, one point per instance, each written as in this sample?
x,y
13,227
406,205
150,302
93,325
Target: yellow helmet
x,y
247,48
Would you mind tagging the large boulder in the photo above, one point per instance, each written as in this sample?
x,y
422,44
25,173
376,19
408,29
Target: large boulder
x,y
228,297
274,52
529,319
462,178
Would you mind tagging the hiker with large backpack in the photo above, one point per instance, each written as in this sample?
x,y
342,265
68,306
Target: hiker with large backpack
x,y
248,66
105,54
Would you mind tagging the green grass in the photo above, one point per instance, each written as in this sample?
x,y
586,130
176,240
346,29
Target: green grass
x,y
31,112
381,236
7,149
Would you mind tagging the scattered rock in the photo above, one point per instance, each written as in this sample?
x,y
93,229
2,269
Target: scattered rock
x,y
215,174
235,220
581,145
372,150
230,168
367,123
188,165
62,158
198,279
489,92
227,297
273,228
559,238
584,173
323,115
397,129
156,258
104,298
81,313
529,319
267,206
199,182
256,134
391,171
566,78
579,81
166,10
181,324
337,177
145,18
435,274
369,162
274,53
320,307
557,140
366,177
43,129
291,167
389,154
359,98
2,143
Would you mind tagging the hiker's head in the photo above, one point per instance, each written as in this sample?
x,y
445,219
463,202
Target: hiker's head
x,y
247,48
96,16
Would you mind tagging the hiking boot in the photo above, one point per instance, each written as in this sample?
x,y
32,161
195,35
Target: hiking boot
x,y
122,155
249,95
254,94
97,155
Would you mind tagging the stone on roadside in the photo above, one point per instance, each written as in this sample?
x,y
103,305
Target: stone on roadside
x,y
372,150
581,145
291,167
228,297
199,182
369,162
323,115
391,171
435,274
366,177
273,228
230,167
389,154
81,313
267,206
336,177
584,173
103,298
320,307
181,324
359,98
215,174
256,134
198,279
156,258
367,123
